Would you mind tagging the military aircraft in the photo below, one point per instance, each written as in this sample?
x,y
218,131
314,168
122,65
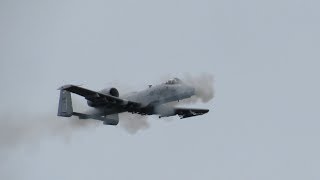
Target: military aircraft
x,y
108,103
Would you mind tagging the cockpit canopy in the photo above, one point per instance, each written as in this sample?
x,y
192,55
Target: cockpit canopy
x,y
174,81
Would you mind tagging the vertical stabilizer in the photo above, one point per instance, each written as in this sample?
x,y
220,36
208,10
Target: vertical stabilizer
x,y
65,104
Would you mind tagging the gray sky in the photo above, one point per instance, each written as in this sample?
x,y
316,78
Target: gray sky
x,y
264,55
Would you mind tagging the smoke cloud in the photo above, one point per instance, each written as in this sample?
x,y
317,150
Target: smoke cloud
x,y
18,129
133,123
203,85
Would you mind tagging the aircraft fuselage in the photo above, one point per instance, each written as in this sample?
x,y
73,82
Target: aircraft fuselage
x,y
154,95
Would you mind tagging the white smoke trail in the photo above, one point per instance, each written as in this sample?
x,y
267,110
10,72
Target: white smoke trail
x,y
133,123
18,129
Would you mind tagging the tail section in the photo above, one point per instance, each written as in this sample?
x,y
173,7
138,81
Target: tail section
x,y
65,110
65,104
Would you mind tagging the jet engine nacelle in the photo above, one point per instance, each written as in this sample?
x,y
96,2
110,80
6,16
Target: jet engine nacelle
x,y
108,91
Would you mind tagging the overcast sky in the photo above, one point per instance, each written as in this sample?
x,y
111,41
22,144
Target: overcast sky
x,y
263,122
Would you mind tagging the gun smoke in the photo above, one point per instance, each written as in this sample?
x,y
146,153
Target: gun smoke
x,y
133,123
15,130
203,85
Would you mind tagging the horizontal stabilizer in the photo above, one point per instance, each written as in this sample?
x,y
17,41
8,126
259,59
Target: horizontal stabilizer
x,y
108,120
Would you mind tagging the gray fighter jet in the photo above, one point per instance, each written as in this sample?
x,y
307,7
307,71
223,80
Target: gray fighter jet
x,y
108,103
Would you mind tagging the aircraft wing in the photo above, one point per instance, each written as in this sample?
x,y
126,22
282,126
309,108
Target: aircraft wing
x,y
166,111
189,112
102,99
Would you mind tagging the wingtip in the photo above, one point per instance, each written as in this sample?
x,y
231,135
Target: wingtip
x,y
65,87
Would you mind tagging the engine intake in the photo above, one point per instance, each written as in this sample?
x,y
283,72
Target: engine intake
x,y
110,91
